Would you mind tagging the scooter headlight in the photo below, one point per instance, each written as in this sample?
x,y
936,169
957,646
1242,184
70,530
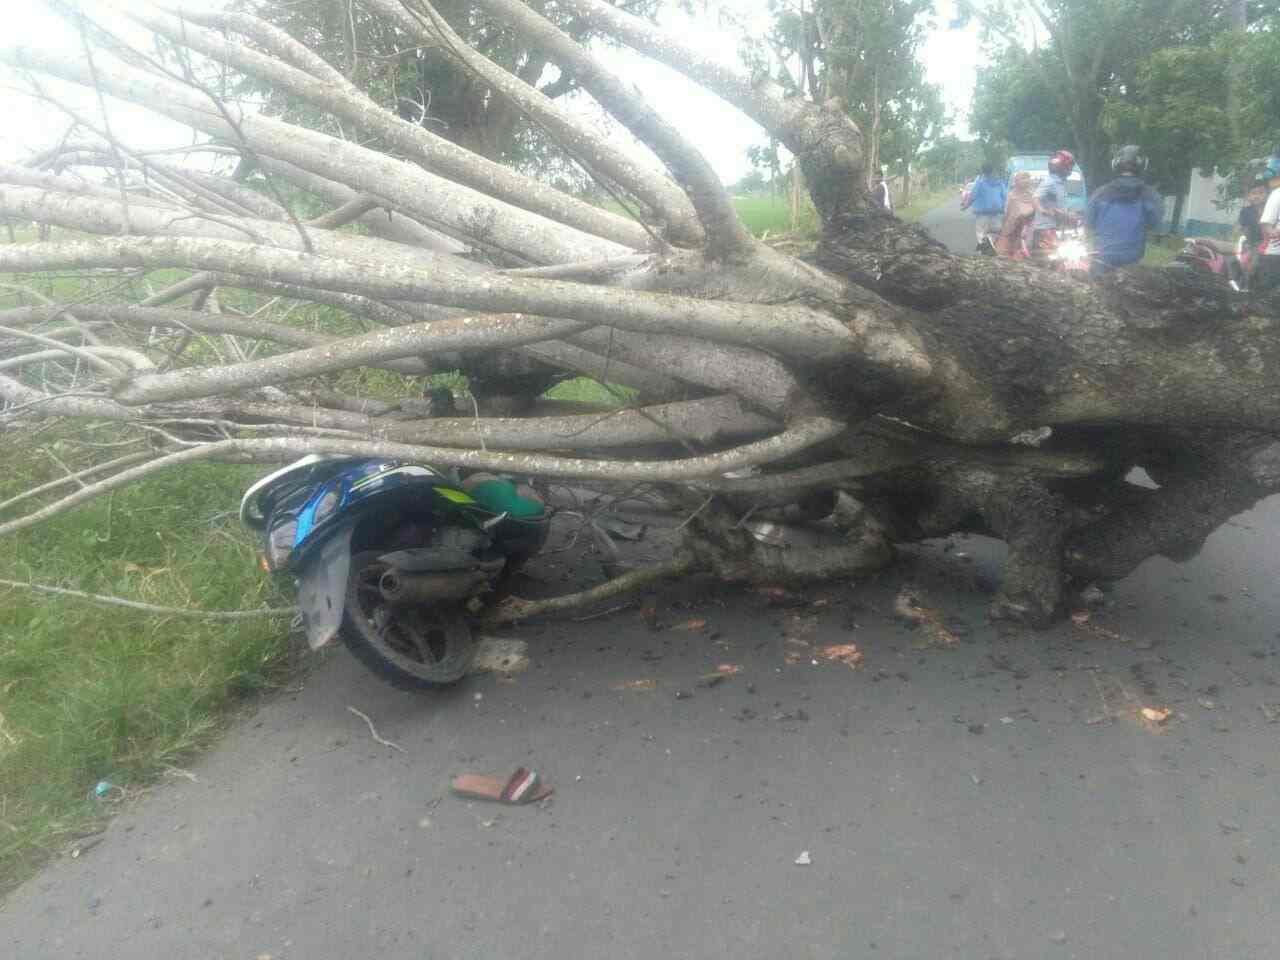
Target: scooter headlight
x,y
326,506
280,543
1072,250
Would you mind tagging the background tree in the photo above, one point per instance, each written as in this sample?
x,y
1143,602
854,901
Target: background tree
x,y
1087,53
866,52
952,160
1257,61
1015,105
1177,111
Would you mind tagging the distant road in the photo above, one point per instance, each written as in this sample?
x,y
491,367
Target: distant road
x,y
951,225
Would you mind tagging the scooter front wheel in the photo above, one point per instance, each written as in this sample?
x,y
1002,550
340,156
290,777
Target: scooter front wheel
x,y
412,647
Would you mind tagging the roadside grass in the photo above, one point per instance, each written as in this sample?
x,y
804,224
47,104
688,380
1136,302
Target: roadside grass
x,y
91,693
771,214
1161,250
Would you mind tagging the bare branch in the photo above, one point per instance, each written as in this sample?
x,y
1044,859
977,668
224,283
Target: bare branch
x,y
799,436
595,152
514,609
711,420
726,236
421,194
467,333
433,152
790,330
190,320
352,210
77,477
821,136
185,612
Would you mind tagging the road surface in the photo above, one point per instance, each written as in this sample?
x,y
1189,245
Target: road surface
x,y
998,797
953,226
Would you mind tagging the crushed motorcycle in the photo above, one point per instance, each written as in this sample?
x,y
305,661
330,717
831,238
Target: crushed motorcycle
x,y
396,559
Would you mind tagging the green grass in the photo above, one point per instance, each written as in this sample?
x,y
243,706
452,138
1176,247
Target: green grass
x,y
90,693
769,214
588,391
1161,250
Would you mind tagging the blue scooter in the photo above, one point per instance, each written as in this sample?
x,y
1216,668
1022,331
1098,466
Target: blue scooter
x,y
392,557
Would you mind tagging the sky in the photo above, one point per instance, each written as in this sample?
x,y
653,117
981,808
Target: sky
x,y
722,134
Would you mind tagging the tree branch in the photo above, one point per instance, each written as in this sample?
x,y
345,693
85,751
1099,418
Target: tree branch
x,y
726,236
421,194
801,435
433,152
800,332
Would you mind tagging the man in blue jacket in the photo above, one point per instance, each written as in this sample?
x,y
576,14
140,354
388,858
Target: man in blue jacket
x,y
1120,214
987,199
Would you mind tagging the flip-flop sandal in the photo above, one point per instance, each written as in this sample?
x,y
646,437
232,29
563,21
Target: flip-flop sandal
x,y
523,786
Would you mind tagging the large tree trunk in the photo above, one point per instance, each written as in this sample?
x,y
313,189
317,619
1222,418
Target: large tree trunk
x,y
880,391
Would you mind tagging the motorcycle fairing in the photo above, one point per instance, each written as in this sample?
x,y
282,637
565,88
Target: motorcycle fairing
x,y
322,588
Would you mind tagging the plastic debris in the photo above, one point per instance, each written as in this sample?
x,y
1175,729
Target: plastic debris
x,y
522,787
846,653
1156,714
693,625
804,859
103,789
646,684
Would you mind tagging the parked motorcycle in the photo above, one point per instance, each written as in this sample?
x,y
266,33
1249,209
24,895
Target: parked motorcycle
x,y
1227,260
393,558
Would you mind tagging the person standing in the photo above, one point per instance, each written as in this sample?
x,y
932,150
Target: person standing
x,y
882,195
1120,214
1250,223
1266,273
1018,211
1251,214
986,200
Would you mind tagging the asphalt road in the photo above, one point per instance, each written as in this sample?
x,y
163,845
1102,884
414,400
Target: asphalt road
x,y
953,226
996,797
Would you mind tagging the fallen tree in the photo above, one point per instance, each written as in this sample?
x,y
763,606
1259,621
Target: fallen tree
x,y
881,390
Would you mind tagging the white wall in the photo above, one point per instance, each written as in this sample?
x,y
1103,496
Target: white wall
x,y
1201,203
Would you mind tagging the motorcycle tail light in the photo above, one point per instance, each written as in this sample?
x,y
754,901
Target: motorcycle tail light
x,y
280,543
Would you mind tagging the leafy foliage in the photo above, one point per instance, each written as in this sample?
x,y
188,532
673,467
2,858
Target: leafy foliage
x,y
1092,59
1178,112
427,85
866,53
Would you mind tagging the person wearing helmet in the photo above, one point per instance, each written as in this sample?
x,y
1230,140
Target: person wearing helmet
x,y
1051,205
1120,214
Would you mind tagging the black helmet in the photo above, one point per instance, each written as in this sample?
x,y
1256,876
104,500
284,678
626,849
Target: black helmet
x,y
1129,159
